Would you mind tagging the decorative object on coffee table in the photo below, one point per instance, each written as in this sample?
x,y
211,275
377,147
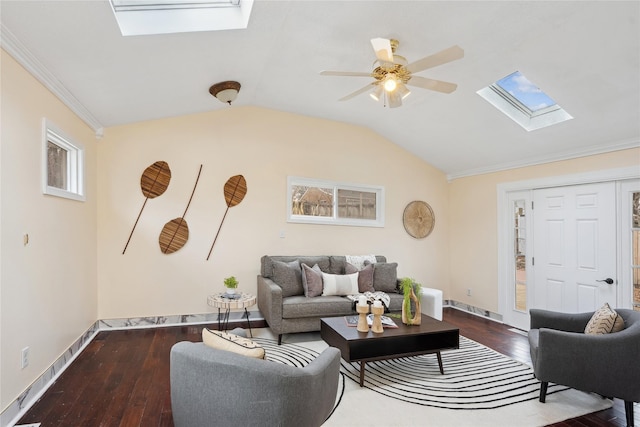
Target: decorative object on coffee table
x,y
410,288
362,307
234,191
418,219
377,309
175,233
231,283
153,183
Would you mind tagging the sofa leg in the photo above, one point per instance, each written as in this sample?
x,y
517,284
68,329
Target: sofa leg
x,y
279,339
543,391
628,410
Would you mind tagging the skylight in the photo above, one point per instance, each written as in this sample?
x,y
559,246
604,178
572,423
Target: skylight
x,y
524,102
144,17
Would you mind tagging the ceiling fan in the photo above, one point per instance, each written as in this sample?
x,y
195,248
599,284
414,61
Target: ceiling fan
x,y
393,74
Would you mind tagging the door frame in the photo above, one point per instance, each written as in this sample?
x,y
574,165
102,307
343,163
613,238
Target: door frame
x,y
505,223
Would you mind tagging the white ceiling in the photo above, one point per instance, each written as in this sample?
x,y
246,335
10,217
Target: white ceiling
x,y
585,54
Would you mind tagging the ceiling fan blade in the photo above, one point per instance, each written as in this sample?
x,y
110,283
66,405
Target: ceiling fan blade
x,y
358,92
382,48
395,100
437,85
442,57
345,73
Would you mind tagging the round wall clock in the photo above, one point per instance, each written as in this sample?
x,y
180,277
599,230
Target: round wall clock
x,y
418,219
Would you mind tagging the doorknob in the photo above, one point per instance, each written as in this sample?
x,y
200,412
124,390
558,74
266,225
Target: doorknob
x,y
608,281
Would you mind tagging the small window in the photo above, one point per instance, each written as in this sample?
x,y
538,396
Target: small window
x,y
315,201
524,102
63,164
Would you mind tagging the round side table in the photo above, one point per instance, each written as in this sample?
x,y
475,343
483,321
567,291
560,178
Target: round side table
x,y
222,302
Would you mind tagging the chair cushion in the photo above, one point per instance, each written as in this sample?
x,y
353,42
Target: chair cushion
x,y
604,321
312,280
233,343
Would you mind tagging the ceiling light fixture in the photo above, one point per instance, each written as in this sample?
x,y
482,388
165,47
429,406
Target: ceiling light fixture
x,y
377,92
225,91
390,82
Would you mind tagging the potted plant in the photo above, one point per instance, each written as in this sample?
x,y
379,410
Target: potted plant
x,y
231,283
411,291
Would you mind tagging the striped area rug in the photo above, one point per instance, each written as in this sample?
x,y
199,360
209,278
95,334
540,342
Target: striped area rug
x,y
480,387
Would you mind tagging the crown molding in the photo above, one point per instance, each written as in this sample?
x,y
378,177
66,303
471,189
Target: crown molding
x,y
14,47
533,161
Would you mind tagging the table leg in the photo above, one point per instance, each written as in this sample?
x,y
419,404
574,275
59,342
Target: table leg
x,y
219,324
226,319
440,363
246,313
362,365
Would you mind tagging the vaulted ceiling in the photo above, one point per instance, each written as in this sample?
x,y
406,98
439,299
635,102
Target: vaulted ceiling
x,y
585,55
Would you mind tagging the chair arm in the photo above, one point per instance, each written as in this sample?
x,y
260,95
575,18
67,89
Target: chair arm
x,y
270,302
570,322
605,364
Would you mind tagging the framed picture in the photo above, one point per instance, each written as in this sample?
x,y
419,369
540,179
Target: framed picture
x,y
315,201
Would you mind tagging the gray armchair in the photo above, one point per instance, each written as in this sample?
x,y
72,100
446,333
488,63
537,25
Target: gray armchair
x,y
605,364
215,387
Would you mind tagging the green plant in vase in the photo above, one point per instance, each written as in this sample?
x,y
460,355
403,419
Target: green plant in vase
x,y
231,283
411,291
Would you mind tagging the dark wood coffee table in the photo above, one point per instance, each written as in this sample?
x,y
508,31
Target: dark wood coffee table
x,y
431,336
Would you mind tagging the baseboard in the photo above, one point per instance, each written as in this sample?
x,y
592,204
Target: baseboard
x,y
480,312
16,409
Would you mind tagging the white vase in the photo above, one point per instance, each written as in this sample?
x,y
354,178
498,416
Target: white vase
x,y
231,291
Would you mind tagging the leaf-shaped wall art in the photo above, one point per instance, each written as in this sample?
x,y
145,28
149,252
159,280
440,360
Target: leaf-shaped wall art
x,y
153,183
175,233
234,191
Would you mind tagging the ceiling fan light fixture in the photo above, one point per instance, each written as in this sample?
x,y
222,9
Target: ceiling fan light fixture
x,y
390,83
403,91
225,91
377,93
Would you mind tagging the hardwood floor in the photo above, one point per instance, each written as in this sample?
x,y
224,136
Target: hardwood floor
x,y
122,377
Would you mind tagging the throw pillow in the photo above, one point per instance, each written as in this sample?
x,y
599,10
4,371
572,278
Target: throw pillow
x,y
233,343
312,280
288,276
340,284
365,277
604,321
385,277
358,261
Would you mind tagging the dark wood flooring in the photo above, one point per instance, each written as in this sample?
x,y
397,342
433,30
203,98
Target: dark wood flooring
x,y
122,377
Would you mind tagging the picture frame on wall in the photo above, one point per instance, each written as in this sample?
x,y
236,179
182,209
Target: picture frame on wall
x,y
316,201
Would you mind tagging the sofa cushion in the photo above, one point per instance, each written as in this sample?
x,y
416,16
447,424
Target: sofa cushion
x,y
604,321
312,280
339,284
358,261
266,262
288,276
233,343
385,277
365,277
326,306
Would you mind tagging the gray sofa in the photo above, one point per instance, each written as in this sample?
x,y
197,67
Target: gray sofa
x,y
605,364
287,310
216,387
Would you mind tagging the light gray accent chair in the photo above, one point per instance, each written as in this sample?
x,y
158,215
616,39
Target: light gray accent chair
x,y
211,387
606,364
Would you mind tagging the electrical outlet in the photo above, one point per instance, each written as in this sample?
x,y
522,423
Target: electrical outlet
x,y
468,292
24,358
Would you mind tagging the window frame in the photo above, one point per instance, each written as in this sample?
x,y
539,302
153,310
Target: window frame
x,y
334,219
74,165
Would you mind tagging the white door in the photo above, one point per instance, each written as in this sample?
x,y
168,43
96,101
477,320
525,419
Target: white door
x,y
575,247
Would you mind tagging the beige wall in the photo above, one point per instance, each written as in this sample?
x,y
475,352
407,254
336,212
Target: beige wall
x,y
473,222
265,146
49,291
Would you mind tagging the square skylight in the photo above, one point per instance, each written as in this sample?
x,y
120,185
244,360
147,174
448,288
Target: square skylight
x,y
524,102
145,17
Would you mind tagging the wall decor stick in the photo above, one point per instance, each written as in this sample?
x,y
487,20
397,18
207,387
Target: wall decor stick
x,y
175,233
153,183
234,191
